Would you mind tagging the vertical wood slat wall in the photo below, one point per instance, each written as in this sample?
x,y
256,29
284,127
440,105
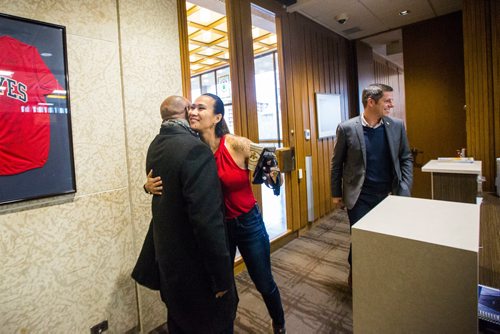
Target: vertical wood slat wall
x,y
481,58
495,47
316,61
390,74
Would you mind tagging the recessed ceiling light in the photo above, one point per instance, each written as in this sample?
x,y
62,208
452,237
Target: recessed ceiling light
x,y
404,12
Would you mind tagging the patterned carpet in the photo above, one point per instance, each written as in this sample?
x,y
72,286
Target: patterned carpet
x,y
311,273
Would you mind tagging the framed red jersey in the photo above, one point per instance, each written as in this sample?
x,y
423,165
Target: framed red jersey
x,y
36,154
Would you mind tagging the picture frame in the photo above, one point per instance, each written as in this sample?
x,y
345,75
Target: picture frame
x,y
328,114
36,148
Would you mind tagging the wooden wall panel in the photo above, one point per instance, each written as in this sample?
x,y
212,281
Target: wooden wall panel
x,y
387,73
300,103
184,49
292,204
481,27
316,61
495,47
435,89
312,87
288,101
242,69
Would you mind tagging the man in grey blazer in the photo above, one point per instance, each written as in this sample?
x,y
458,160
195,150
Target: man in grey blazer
x,y
371,157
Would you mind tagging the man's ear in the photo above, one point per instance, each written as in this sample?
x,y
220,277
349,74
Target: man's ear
x,y
371,102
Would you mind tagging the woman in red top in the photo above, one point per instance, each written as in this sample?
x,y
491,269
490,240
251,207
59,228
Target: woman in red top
x,y
244,221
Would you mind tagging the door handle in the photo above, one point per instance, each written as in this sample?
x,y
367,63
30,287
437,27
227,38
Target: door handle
x,y
415,152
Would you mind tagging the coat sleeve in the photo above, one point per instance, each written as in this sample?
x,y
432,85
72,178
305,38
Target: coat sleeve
x,y
337,166
203,196
406,164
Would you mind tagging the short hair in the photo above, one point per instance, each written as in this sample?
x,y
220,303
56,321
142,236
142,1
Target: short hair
x,y
221,127
374,92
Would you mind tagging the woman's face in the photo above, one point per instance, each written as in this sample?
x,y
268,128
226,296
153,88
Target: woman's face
x,y
201,115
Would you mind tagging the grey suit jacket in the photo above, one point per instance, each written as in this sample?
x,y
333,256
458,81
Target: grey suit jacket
x,y
348,166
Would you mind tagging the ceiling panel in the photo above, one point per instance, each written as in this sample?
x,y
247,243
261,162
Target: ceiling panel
x,y
327,12
415,8
372,16
443,7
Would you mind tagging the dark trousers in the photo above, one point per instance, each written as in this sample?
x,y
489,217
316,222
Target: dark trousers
x,y
174,328
363,205
248,233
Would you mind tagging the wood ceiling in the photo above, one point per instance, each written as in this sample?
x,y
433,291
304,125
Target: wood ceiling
x,y
208,38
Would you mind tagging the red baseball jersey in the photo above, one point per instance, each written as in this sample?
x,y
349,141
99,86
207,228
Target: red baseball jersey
x,y
25,81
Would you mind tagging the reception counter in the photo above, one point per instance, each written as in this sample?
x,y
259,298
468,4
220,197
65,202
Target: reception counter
x,y
453,181
415,267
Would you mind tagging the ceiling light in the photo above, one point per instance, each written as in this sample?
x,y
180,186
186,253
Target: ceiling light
x,y
404,12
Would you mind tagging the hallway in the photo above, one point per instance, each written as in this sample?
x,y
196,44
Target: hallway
x,y
311,272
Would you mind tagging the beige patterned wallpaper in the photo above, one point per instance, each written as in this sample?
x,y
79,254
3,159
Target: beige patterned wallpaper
x,y
66,264
151,72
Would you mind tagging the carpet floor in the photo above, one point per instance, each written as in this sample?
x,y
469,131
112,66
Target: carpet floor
x,y
311,273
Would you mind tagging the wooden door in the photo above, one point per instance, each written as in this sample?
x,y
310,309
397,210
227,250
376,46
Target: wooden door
x,y
435,93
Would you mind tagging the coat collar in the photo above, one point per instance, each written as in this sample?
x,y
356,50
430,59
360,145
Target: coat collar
x,y
361,137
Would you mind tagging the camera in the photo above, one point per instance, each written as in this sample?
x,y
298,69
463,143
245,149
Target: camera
x,y
342,18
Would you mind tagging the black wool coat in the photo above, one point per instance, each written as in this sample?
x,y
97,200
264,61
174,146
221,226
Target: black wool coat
x,y
190,239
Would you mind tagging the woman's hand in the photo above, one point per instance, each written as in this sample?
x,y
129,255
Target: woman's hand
x,y
153,185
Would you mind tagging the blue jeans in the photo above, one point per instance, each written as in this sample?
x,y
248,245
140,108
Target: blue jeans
x,y
248,233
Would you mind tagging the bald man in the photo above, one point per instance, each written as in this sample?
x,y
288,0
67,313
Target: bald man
x,y
195,270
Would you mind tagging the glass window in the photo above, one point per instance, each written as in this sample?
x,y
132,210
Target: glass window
x,y
265,85
195,87
209,52
208,83
224,85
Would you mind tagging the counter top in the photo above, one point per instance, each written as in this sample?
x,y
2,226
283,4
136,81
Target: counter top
x,y
436,166
438,222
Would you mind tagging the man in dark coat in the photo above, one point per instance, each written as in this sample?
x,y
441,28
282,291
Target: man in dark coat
x,y
196,274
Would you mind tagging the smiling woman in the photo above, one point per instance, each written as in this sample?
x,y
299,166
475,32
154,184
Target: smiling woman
x,y
244,222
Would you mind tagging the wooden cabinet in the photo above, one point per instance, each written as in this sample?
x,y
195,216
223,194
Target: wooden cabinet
x,y
454,181
489,241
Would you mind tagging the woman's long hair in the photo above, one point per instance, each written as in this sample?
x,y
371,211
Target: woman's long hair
x,y
221,127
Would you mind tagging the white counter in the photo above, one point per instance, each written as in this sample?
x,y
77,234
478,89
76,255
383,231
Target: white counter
x,y
436,166
425,220
415,267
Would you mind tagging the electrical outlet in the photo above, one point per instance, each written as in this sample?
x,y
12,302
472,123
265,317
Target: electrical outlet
x,y
99,328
